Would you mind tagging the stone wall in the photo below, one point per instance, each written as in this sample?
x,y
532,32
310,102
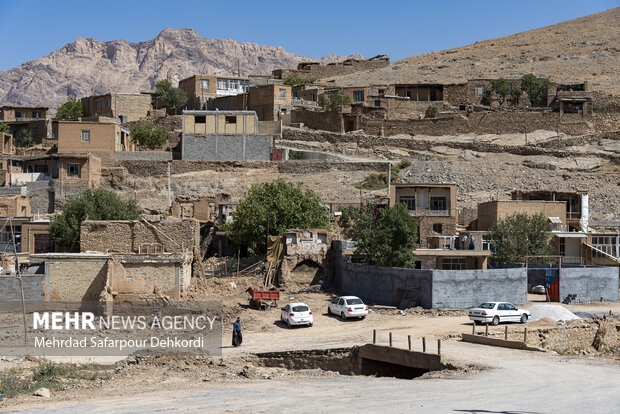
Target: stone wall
x,y
328,120
313,70
481,123
143,155
590,282
227,147
34,289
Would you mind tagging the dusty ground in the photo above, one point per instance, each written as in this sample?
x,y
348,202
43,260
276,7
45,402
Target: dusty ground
x,y
190,378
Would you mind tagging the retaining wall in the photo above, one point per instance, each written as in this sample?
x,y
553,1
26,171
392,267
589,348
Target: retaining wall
x,y
143,155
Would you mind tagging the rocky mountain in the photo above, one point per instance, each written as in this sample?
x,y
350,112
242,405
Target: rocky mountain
x,y
587,48
88,66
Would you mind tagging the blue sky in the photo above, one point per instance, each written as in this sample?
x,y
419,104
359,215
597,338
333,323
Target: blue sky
x,y
34,28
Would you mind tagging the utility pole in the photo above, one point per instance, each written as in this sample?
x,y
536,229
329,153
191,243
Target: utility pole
x,y
389,181
169,197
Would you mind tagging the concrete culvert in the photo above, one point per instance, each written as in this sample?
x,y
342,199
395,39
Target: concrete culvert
x,y
371,360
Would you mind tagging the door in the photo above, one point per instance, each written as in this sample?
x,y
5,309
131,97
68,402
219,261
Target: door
x,y
552,284
512,313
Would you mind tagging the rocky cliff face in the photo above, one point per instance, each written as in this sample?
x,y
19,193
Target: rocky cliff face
x,y
88,66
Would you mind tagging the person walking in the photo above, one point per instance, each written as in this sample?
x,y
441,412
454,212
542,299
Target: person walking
x,y
237,337
472,244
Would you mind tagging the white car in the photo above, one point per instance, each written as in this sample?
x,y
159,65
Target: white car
x,y
297,314
496,312
348,307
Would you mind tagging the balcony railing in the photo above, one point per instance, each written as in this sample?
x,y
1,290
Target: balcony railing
x,y
441,213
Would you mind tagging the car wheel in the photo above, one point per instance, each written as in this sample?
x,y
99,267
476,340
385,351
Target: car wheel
x,y
362,317
523,318
343,316
329,311
289,324
495,321
310,325
281,318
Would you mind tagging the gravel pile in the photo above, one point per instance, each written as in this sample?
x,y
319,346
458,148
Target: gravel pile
x,y
555,312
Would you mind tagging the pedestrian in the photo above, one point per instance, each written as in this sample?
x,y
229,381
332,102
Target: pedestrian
x,y
237,337
463,241
471,242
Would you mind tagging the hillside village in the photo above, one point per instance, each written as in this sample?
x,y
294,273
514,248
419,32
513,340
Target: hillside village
x,y
462,154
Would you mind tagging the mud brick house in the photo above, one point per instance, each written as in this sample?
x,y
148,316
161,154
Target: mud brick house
x,y
200,88
34,119
101,137
123,107
270,102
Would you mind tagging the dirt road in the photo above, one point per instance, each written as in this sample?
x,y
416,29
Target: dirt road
x,y
520,382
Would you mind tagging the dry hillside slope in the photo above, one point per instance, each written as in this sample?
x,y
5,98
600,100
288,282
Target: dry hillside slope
x,y
587,48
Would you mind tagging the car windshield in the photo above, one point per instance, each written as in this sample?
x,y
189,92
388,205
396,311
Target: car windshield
x,y
354,302
488,305
300,309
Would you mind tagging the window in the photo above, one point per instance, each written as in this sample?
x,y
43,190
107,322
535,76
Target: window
x,y
479,91
36,115
231,119
408,200
74,169
453,264
200,119
43,243
85,136
358,96
222,84
377,103
204,83
300,309
486,243
282,93
438,203
18,114
233,84
604,244
437,227
35,134
381,91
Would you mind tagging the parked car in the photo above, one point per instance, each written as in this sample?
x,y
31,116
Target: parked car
x,y
496,312
348,307
297,314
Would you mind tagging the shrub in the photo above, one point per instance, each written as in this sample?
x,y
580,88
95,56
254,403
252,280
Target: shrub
x,y
146,136
431,112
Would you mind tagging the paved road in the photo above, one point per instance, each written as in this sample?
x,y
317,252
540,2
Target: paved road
x,y
521,383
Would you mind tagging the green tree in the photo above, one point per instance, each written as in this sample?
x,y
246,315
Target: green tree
x,y
98,204
515,95
431,112
272,208
335,100
519,235
536,88
5,128
23,138
385,236
149,137
171,97
70,109
501,88
486,98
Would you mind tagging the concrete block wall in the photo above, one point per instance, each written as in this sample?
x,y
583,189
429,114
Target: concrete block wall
x,y
469,288
34,289
591,282
226,147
